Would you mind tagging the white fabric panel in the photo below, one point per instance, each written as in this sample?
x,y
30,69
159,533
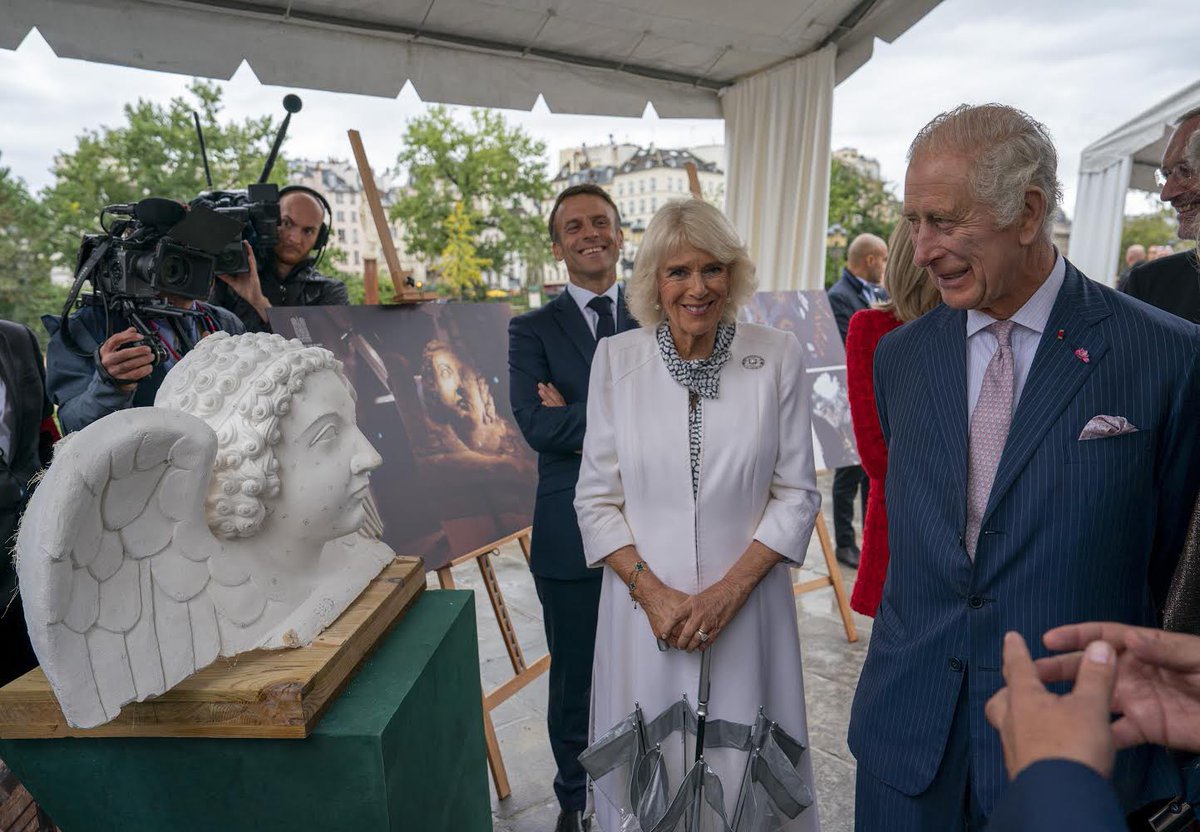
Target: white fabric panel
x,y
777,135
475,52
1099,215
1108,168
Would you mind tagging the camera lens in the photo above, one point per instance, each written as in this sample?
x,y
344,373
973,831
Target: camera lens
x,y
175,271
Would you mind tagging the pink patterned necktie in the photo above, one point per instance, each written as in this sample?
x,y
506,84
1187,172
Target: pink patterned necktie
x,y
989,430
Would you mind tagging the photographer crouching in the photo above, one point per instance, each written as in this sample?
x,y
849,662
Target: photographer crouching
x,y
291,277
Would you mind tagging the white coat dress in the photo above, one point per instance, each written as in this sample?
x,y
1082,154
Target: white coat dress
x,y
756,481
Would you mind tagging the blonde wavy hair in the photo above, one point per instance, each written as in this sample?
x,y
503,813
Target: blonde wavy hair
x,y
912,290
688,222
242,386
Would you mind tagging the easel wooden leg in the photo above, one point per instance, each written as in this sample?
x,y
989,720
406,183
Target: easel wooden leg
x,y
522,674
835,578
492,584
495,761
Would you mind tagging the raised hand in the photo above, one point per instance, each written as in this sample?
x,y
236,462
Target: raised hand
x,y
125,363
1035,724
1157,690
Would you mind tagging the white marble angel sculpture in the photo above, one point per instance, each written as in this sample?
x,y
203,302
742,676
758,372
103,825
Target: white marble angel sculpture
x,y
223,519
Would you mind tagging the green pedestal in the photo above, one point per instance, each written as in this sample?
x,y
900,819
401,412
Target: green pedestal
x,y
401,749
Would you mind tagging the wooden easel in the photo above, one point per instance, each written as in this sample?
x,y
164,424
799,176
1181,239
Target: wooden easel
x,y
523,673
403,293
834,579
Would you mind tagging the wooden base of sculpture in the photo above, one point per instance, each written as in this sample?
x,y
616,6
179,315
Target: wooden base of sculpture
x,y
263,693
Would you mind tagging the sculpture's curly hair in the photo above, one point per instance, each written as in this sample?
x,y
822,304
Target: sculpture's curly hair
x,y
241,386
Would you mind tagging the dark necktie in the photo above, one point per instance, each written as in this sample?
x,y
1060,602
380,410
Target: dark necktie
x,y
607,325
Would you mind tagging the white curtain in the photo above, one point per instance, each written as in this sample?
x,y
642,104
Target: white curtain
x,y
777,135
1099,215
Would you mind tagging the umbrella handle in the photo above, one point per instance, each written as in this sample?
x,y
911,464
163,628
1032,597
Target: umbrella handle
x,y
702,694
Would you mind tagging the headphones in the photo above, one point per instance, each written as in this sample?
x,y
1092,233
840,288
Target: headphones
x,y
326,226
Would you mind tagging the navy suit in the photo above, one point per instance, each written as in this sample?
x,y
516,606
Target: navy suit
x,y
1074,531
555,345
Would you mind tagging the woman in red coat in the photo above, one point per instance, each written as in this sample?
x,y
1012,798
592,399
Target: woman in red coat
x,y
912,295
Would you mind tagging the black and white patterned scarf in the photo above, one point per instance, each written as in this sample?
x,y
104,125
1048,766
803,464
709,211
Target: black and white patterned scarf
x,y
702,378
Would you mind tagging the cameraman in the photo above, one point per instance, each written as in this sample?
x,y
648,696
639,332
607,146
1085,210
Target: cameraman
x,y
104,374
290,278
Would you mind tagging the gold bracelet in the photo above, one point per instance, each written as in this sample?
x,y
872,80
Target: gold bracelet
x,y
638,568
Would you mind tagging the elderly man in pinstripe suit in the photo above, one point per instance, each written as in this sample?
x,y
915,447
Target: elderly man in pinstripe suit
x,y
1042,435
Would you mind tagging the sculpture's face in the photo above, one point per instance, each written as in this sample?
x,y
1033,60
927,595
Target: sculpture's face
x,y
325,462
462,392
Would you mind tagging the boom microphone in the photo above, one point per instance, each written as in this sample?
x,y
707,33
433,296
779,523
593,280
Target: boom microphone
x,y
159,212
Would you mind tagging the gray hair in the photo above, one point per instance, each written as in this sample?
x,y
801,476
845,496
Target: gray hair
x,y
1009,151
1192,113
696,223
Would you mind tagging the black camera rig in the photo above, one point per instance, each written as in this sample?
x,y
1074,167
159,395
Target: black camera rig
x,y
159,247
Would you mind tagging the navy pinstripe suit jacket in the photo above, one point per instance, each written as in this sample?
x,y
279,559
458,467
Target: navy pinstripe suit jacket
x,y
1074,531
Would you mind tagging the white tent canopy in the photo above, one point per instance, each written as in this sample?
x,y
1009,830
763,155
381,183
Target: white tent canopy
x,y
599,57
1125,158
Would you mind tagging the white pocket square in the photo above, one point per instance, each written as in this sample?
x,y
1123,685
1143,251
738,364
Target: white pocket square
x,y
1101,427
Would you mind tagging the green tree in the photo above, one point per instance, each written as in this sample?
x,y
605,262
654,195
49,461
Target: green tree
x,y
858,204
460,267
25,288
495,172
154,153
1157,228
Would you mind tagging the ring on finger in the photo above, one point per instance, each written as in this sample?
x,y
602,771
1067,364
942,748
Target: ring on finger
x,y
703,636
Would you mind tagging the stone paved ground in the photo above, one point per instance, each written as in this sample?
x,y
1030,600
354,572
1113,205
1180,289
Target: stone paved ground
x,y
831,668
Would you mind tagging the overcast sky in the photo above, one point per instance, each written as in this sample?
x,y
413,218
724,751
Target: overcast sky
x,y
1083,67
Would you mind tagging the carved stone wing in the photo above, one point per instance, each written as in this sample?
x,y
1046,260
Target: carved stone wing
x,y
113,561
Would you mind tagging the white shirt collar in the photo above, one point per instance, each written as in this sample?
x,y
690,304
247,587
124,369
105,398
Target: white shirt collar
x,y
583,296
1035,313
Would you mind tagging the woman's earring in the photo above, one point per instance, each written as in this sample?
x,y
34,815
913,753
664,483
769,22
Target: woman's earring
x,y
657,307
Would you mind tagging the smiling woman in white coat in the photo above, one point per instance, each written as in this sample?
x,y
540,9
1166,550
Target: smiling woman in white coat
x,y
696,493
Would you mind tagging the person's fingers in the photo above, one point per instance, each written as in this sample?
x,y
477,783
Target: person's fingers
x,y
1127,734
1060,668
675,619
1079,636
118,364
689,638
115,340
1096,678
1019,671
996,709
1172,651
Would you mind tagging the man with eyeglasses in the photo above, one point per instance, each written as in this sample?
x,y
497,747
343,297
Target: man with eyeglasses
x,y
290,278
1173,283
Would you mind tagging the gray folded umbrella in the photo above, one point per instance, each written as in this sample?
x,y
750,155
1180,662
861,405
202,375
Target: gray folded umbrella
x,y
635,762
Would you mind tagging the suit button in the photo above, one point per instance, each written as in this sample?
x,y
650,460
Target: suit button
x,y
956,665
975,602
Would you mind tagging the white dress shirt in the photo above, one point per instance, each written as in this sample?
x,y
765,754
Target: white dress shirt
x,y
583,297
1030,322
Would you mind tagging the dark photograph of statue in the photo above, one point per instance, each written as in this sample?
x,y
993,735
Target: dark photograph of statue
x,y
432,382
807,315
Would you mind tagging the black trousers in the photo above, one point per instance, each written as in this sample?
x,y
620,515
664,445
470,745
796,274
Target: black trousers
x,y
847,483
569,611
